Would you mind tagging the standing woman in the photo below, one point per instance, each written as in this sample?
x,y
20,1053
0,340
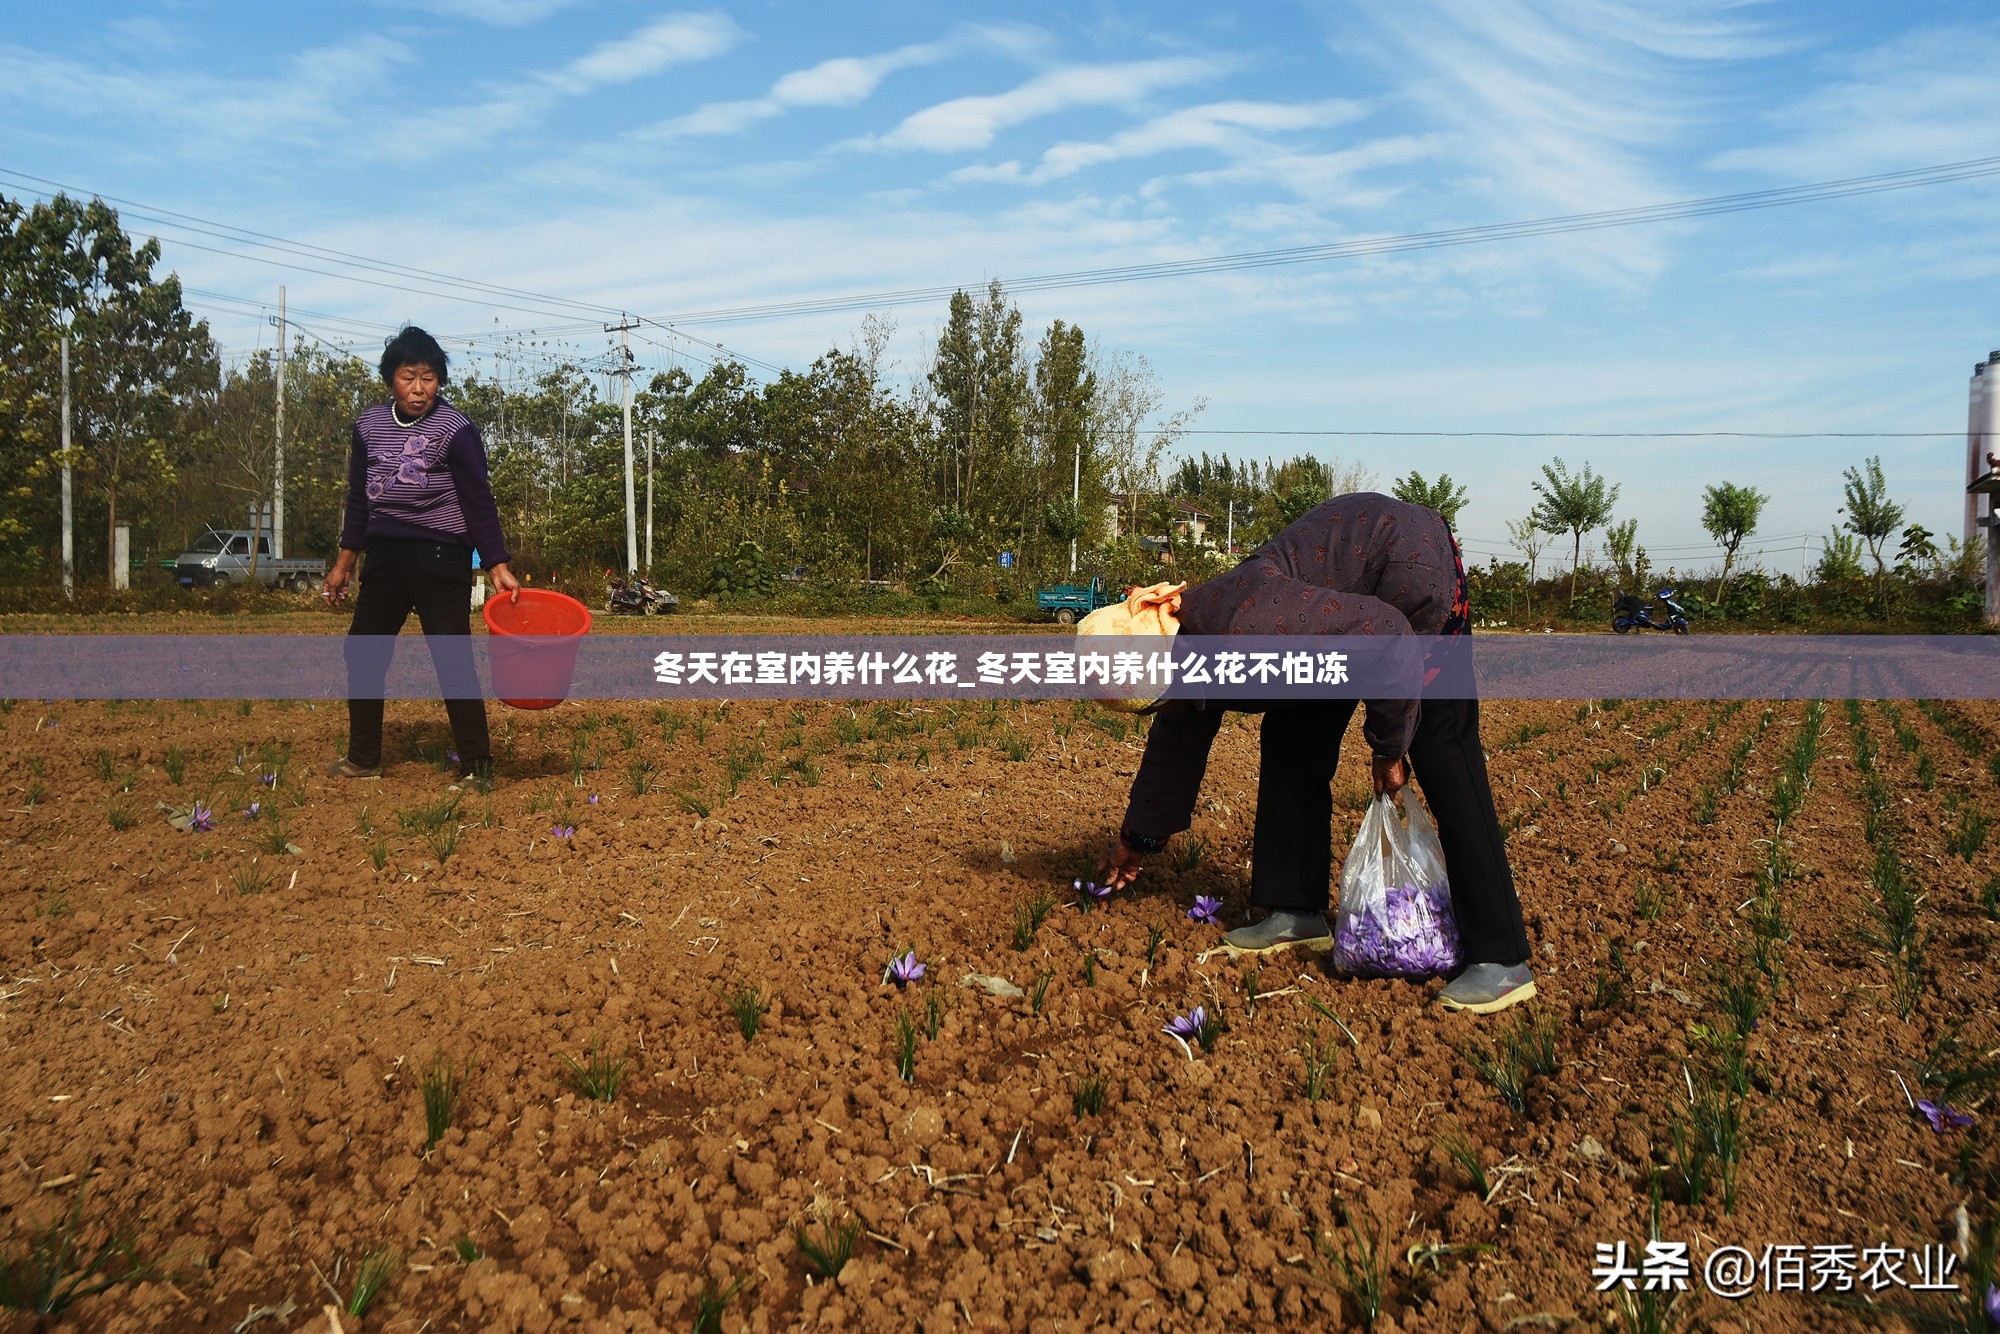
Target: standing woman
x,y
419,504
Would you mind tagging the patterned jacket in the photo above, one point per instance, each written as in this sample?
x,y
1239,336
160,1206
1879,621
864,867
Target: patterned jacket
x,y
1362,564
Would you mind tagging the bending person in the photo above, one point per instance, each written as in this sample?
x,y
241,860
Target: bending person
x,y
419,503
1356,565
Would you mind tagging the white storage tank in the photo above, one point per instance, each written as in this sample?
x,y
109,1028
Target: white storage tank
x,y
1975,448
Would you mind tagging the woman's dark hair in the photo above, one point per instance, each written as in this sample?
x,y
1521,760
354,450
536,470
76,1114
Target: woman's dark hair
x,y
413,347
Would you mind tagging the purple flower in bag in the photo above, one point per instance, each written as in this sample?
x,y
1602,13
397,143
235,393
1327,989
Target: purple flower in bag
x,y
1409,932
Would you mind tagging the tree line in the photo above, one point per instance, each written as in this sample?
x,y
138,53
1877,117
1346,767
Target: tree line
x,y
1047,446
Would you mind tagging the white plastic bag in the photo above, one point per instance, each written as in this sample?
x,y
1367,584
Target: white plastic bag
x,y
1395,915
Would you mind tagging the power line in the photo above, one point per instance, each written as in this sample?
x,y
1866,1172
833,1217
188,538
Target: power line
x,y
1371,246
1710,206
321,254
304,249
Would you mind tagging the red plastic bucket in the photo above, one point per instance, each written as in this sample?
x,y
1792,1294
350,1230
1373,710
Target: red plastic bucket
x,y
535,641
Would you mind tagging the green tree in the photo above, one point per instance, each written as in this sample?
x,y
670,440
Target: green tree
x,y
1065,387
1729,514
1442,495
1918,552
138,365
979,386
1621,540
1574,505
1841,561
1871,515
1528,535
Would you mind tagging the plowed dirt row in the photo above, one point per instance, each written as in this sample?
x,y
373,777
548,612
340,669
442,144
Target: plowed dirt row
x,y
225,1030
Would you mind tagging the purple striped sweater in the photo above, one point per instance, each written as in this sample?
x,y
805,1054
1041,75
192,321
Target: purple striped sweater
x,y
426,482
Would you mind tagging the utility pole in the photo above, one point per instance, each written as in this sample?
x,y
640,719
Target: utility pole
x,y
68,514
624,329
1076,499
278,464
649,502
1229,542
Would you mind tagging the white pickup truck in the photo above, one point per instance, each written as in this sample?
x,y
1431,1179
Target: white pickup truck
x,y
221,557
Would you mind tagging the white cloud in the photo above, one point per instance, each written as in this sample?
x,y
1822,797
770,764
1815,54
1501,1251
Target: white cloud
x,y
1235,129
677,39
1325,179
1564,106
713,118
840,82
968,123
500,13
847,80
674,40
143,35
310,98
1925,97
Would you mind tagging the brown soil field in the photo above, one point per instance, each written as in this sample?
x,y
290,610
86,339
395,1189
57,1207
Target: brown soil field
x,y
225,1033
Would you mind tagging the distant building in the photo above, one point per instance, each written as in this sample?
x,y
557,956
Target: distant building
x,y
1191,522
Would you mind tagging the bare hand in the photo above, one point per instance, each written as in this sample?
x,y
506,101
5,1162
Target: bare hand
x,y
1121,865
505,582
1389,776
335,585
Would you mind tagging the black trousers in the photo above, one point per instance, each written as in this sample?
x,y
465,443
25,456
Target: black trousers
x,y
434,579
1293,866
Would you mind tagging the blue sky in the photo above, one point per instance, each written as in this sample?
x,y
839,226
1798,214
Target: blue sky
x,y
677,160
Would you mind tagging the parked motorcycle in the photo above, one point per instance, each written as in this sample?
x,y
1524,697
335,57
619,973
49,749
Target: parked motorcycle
x,y
1630,612
632,595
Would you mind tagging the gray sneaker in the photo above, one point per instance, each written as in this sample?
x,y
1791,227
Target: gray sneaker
x,y
1281,931
344,768
1485,988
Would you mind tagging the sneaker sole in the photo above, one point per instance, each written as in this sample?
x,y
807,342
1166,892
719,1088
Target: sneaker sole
x,y
1317,944
1526,991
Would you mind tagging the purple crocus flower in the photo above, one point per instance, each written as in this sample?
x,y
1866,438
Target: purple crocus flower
x,y
201,818
1090,891
268,779
1943,1117
1207,908
1187,1027
451,755
904,969
253,809
593,798
1993,1304
564,830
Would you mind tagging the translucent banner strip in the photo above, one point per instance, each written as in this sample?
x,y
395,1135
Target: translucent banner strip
x,y
1262,671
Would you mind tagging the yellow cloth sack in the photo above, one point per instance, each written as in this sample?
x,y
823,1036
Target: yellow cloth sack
x,y
1150,611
